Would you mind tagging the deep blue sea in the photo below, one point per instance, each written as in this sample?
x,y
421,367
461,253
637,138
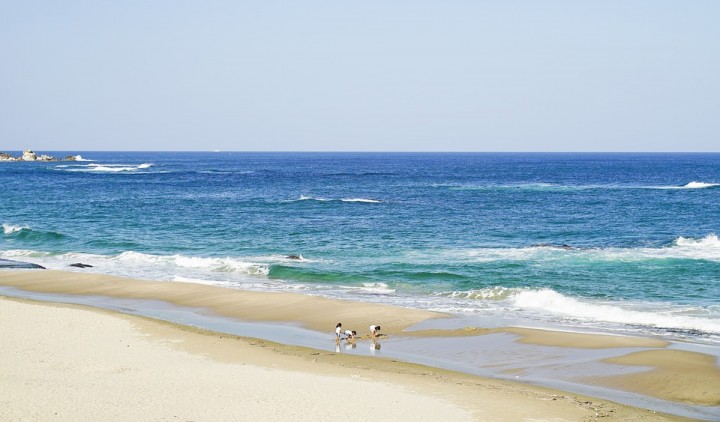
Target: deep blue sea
x,y
611,242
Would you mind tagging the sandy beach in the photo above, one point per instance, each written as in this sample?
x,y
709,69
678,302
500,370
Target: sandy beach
x,y
70,362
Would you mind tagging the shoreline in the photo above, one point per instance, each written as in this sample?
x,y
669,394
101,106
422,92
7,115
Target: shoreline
x,y
263,307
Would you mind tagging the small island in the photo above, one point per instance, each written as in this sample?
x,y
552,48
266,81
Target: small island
x,y
30,155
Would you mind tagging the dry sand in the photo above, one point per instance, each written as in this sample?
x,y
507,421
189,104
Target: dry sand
x,y
62,362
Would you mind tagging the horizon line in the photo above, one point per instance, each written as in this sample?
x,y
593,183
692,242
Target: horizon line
x,y
369,151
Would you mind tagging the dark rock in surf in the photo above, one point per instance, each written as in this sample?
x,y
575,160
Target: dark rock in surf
x,y
80,265
7,263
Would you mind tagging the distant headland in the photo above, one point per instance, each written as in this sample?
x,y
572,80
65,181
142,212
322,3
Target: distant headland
x,y
30,155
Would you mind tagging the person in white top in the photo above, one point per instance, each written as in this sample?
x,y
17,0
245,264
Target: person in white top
x,y
374,330
338,331
350,335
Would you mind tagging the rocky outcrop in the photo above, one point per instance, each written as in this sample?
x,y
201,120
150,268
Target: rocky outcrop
x,y
30,155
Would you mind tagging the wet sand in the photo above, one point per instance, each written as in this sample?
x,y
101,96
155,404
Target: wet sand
x,y
675,375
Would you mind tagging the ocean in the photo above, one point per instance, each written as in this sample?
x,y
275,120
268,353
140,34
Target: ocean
x,y
617,243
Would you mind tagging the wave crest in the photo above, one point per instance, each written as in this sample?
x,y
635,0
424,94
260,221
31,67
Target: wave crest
x,y
10,229
550,301
367,201
27,233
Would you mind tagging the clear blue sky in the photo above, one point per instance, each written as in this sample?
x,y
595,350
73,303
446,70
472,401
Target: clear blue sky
x,y
505,75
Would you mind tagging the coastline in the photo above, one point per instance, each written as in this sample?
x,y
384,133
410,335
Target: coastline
x,y
320,314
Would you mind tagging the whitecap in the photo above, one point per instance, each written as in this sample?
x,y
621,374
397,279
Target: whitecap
x,y
700,185
321,199
311,198
364,200
106,168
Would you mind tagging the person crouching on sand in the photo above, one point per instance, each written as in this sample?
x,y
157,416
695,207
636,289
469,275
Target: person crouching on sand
x,y
374,331
350,335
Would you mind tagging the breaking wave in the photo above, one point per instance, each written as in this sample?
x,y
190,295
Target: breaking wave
x,y
660,316
545,304
10,229
226,264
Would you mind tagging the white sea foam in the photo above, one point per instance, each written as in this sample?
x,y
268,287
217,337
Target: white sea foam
x,y
550,301
80,158
10,229
226,264
489,293
105,168
369,201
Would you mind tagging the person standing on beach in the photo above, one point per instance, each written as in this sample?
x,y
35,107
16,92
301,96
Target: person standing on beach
x,y
338,331
374,331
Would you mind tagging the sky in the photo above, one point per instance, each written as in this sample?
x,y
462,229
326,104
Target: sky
x,y
266,75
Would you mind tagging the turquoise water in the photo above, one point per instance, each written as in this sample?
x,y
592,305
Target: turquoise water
x,y
612,242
